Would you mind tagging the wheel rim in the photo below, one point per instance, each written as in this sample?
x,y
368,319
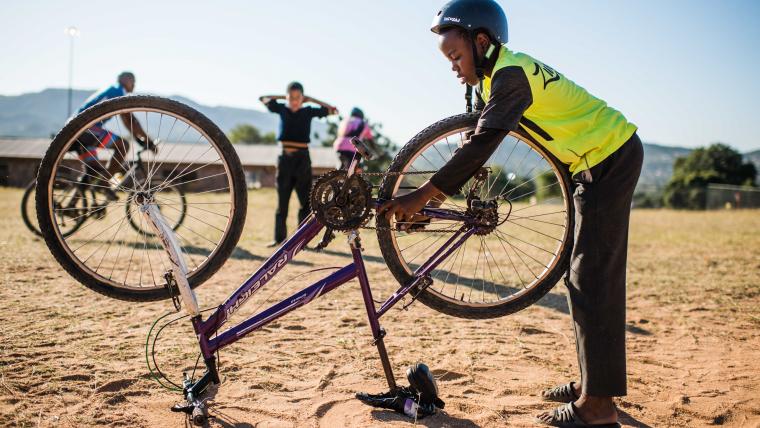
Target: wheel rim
x,y
504,265
109,249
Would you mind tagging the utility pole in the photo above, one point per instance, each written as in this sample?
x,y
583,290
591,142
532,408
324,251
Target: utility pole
x,y
71,32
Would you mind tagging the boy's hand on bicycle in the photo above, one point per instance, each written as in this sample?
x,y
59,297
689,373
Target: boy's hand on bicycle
x,y
406,208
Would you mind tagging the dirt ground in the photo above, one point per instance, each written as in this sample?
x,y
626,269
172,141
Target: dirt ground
x,y
71,357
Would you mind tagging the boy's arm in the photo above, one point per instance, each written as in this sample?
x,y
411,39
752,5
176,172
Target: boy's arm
x,y
510,97
266,98
134,127
330,109
271,102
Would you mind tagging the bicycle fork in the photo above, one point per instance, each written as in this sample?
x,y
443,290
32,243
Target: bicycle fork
x,y
174,251
192,391
378,333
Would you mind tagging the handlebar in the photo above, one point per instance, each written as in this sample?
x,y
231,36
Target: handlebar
x,y
144,148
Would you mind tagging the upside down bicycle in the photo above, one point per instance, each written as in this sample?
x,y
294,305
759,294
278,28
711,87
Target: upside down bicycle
x,y
493,249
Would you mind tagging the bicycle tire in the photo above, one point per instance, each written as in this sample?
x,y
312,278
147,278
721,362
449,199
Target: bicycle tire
x,y
25,201
74,128
433,300
30,188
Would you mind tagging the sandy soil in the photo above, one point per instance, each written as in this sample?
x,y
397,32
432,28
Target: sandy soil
x,y
71,357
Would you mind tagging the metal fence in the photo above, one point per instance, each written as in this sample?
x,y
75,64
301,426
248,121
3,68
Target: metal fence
x,y
728,196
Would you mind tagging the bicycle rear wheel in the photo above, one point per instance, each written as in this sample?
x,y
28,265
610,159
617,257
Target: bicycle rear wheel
x,y
27,209
69,218
507,269
107,253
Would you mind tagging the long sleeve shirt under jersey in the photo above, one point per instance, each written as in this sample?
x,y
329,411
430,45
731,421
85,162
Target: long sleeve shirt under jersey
x,y
510,97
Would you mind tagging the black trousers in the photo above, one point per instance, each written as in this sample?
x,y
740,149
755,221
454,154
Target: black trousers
x,y
596,283
293,172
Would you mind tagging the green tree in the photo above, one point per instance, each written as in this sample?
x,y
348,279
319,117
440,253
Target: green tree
x,y
509,185
249,134
548,186
331,133
382,146
719,164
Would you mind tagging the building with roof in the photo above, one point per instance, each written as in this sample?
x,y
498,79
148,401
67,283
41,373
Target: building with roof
x,y
20,158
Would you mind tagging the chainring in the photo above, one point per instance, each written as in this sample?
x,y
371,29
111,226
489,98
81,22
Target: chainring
x,y
341,203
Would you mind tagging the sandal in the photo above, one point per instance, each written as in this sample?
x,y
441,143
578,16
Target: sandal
x,y
566,416
560,394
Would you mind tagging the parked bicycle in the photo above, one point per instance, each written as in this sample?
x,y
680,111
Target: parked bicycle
x,y
494,249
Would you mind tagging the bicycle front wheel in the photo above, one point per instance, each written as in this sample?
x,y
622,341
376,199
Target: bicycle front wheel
x,y
175,213
493,273
195,178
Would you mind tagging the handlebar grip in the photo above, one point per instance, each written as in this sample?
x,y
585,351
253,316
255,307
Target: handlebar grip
x,y
362,148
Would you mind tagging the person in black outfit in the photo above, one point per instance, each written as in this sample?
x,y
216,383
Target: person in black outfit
x,y
294,164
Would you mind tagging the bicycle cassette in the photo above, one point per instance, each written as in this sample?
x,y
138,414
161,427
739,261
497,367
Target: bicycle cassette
x,y
341,203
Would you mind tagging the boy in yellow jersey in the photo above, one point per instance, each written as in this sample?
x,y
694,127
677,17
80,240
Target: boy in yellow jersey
x,y
603,154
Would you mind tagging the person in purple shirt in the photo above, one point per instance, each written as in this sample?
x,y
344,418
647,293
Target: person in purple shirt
x,y
353,126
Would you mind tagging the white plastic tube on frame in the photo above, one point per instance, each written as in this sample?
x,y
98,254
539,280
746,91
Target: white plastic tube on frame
x,y
174,251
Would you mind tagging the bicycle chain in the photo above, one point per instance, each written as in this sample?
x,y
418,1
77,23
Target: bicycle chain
x,y
396,174
363,225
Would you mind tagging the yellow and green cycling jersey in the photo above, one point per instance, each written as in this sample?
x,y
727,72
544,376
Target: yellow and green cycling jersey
x,y
576,127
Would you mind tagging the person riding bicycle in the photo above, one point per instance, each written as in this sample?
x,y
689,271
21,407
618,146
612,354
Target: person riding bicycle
x,y
602,152
98,137
294,164
353,126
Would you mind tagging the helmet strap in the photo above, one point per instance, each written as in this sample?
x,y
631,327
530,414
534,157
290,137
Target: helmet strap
x,y
479,71
480,64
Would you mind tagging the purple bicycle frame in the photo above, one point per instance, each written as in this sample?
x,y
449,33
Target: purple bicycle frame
x,y
308,230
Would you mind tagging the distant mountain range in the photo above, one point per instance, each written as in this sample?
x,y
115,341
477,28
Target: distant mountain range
x,y
42,114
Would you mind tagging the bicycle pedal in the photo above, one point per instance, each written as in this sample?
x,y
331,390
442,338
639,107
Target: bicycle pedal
x,y
326,239
183,408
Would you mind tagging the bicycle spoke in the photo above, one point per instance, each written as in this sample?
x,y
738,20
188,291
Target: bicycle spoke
x,y
183,172
536,231
196,218
110,242
516,248
208,177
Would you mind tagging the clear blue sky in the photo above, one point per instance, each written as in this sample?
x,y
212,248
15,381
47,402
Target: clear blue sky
x,y
685,71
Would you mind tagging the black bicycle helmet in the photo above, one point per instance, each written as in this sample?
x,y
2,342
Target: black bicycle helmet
x,y
473,16
357,112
